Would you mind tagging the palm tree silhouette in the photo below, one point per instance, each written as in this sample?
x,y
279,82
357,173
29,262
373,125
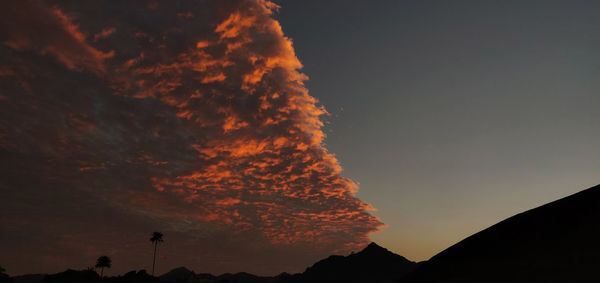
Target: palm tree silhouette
x,y
103,262
157,237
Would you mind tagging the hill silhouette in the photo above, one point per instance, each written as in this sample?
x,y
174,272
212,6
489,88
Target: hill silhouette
x,y
29,278
374,264
89,276
184,275
4,278
556,242
180,274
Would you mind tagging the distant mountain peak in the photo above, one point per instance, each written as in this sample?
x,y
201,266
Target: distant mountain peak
x,y
179,273
373,264
374,246
182,269
374,249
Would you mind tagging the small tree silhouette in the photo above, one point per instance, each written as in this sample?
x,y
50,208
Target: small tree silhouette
x,y
2,270
103,262
157,237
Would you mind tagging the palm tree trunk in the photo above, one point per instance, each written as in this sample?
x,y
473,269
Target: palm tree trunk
x,y
101,272
154,259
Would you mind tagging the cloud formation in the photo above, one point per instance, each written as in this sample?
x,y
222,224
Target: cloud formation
x,y
30,24
188,115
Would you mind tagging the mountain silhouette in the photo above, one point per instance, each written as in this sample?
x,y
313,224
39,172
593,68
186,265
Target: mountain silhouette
x,y
5,278
184,275
374,264
90,276
556,242
29,278
180,274
243,277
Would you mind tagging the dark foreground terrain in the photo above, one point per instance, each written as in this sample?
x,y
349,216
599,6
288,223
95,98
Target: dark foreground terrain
x,y
557,242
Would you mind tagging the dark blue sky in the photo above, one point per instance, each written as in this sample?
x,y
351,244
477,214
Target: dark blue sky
x,y
453,115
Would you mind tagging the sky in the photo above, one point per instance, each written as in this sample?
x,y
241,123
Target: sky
x,y
261,138
454,115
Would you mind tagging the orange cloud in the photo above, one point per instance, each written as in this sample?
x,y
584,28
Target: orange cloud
x,y
285,162
104,33
195,123
31,25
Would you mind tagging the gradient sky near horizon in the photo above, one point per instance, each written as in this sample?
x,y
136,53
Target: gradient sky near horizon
x,y
453,115
201,119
